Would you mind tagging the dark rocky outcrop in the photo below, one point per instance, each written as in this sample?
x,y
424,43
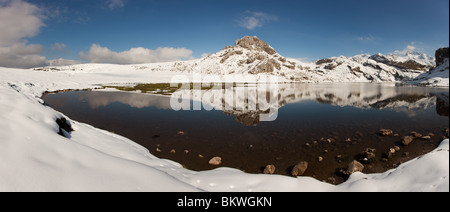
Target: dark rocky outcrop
x,y
442,105
229,54
65,128
268,67
441,55
410,64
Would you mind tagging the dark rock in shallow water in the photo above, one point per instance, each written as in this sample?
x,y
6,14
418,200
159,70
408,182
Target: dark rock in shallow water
x,y
407,140
299,169
416,134
390,153
353,167
368,156
385,132
427,137
270,169
216,161
320,159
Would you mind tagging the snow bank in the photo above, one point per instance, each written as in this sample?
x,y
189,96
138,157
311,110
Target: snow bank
x,y
35,158
438,77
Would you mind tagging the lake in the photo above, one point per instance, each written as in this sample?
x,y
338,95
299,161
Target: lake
x,y
327,125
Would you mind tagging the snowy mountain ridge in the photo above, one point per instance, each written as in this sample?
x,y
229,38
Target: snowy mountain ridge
x,y
252,56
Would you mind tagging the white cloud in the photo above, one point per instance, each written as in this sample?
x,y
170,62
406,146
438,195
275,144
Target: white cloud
x,y
22,55
113,4
302,59
99,54
409,48
20,20
252,20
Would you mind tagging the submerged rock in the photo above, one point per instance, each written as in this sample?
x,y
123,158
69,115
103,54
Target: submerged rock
x,y
427,137
299,169
216,161
320,159
390,153
407,140
368,156
385,132
353,167
416,134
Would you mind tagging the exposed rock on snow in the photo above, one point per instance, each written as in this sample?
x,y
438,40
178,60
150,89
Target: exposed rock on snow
x,y
65,128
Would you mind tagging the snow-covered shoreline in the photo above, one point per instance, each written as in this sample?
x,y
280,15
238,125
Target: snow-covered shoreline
x,y
35,158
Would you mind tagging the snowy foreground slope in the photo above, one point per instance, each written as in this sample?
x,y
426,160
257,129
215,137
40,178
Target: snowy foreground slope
x,y
35,158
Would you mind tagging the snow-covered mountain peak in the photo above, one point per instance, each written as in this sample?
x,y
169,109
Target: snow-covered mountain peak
x,y
250,55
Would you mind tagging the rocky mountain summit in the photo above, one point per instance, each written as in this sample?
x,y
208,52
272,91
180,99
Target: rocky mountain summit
x,y
250,55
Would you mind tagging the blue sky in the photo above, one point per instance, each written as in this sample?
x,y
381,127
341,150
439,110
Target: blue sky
x,y
298,29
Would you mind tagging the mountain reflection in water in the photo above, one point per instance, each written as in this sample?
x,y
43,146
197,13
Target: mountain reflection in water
x,y
403,99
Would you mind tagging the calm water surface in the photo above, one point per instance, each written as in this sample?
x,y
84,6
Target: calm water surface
x,y
335,122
